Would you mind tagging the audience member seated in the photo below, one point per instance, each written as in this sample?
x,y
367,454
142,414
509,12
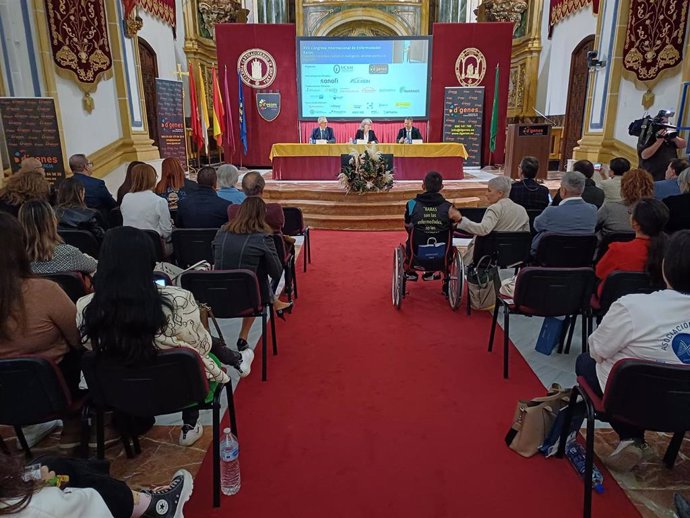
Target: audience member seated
x,y
592,194
227,181
127,183
253,184
614,216
88,491
669,186
644,253
612,185
527,192
679,205
644,327
22,187
502,215
203,208
72,212
142,208
429,214
97,195
246,243
36,316
130,317
173,185
31,164
572,216
46,250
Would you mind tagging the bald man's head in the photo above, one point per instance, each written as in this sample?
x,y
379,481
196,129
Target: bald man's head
x,y
253,184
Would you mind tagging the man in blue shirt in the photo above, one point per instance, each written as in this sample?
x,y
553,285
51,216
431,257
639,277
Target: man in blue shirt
x,y
227,180
669,186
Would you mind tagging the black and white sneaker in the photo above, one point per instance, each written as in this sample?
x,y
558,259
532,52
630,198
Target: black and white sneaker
x,y
168,501
431,276
411,276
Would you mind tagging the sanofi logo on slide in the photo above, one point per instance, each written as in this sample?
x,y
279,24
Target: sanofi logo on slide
x,y
681,346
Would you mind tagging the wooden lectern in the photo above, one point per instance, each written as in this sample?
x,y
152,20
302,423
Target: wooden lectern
x,y
527,140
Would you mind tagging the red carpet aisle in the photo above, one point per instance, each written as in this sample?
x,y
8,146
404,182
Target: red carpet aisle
x,y
370,412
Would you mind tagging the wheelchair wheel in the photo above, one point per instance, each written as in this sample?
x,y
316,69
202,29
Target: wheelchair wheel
x,y
398,284
456,281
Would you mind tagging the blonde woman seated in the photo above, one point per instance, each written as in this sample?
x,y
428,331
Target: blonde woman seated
x,y
46,249
503,214
142,208
365,132
614,216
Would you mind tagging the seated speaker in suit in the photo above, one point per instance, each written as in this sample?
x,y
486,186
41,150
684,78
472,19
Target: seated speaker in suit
x,y
365,132
572,216
408,133
323,132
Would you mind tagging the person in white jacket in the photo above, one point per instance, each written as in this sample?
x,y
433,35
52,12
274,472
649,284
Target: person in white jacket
x,y
654,327
66,488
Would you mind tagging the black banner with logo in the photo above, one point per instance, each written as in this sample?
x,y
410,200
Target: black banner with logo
x,y
463,112
31,129
171,120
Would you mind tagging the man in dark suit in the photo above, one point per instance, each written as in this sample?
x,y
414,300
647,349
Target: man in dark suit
x,y
97,195
253,185
202,207
527,192
408,133
592,194
323,132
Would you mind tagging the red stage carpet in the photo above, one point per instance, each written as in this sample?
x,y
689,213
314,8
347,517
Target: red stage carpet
x,y
371,412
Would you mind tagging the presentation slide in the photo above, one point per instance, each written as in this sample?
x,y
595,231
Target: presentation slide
x,y
355,78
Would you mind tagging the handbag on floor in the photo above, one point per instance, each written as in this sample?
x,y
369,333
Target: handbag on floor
x,y
480,285
534,419
550,335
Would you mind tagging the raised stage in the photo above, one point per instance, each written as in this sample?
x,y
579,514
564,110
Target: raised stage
x,y
325,204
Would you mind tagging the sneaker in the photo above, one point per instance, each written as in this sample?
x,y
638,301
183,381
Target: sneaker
x,y
625,457
431,276
245,366
411,276
168,501
35,433
242,344
190,434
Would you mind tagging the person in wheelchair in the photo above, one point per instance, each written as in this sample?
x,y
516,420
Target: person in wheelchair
x,y
429,218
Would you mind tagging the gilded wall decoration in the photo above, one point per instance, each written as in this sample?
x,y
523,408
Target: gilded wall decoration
x,y
79,42
654,38
502,11
561,9
212,12
516,87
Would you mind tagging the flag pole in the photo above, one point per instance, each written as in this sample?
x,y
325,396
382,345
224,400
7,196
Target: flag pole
x,y
179,75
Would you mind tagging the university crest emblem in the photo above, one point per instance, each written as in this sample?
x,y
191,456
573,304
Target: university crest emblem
x,y
268,104
257,68
470,67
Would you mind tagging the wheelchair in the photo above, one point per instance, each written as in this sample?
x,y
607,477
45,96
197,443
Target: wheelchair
x,y
433,254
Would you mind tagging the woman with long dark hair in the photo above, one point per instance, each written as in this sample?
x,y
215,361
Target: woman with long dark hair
x,y
127,183
47,252
246,242
129,317
645,253
72,212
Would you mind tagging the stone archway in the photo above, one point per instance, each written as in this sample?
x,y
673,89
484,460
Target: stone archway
x,y
362,22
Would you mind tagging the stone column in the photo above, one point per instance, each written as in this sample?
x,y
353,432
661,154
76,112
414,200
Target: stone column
x,y
271,11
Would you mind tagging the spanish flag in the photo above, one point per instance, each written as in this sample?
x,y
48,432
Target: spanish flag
x,y
194,108
203,105
218,111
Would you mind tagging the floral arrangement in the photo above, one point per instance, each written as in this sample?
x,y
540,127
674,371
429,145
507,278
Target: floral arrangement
x,y
366,172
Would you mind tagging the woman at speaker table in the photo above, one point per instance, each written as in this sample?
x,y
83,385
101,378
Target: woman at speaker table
x,y
366,133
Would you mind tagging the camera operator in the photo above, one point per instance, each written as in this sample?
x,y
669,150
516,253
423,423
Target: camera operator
x,y
658,147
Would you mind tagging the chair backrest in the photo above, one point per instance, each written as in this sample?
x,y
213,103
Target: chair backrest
x,y
553,291
294,221
157,244
230,293
83,240
279,243
474,213
115,218
650,395
71,283
532,215
505,248
566,250
173,380
619,283
607,239
32,390
192,245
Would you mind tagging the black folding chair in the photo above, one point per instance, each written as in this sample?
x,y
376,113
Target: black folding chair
x,y
544,292
234,294
294,226
288,261
115,218
473,214
173,381
192,245
157,244
32,391
616,285
566,250
607,239
648,395
532,215
84,240
71,283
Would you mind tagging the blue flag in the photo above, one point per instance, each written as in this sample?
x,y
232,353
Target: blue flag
x,y
243,118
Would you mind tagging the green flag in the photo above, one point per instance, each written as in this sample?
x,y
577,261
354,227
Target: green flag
x,y
494,115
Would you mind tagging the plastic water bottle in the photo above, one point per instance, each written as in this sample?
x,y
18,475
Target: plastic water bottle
x,y
576,455
229,463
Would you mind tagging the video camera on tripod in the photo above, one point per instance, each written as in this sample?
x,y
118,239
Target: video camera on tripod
x,y
648,128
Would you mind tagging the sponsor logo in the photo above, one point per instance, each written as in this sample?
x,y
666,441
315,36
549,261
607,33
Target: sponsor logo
x,y
329,81
257,68
404,90
378,69
403,104
268,105
360,80
387,90
470,67
342,68
368,90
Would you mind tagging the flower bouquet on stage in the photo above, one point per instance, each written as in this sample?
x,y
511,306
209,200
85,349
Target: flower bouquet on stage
x,y
370,171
